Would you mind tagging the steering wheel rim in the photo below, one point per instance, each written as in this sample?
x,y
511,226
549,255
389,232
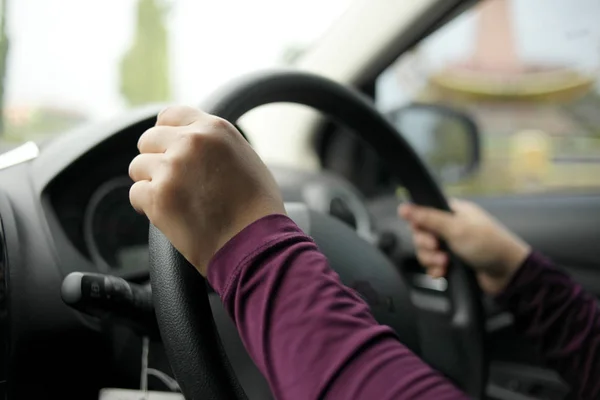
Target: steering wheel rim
x,y
180,293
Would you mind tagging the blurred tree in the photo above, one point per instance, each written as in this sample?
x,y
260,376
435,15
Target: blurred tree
x,y
145,66
3,58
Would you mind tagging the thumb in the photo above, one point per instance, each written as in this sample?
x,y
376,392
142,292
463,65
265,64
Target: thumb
x,y
179,116
433,220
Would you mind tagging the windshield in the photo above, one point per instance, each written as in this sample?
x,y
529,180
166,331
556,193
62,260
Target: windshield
x,y
68,62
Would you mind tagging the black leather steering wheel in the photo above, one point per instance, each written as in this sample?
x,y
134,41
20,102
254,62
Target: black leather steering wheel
x,y
180,293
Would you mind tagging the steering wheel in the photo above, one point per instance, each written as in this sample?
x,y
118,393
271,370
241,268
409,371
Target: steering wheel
x,y
454,347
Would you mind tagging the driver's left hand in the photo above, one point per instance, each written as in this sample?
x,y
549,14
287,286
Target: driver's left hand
x,y
471,233
200,182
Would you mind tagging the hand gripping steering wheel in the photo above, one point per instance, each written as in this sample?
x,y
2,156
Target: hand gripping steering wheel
x,y
180,294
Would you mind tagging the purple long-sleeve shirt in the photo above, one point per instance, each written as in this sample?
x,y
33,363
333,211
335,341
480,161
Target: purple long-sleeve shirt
x,y
312,337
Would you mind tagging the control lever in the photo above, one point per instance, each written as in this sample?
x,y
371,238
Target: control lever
x,y
113,297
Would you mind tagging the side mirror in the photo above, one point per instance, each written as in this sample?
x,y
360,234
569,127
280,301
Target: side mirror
x,y
446,139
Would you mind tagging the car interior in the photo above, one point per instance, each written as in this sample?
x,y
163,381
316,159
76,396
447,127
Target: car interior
x,y
86,284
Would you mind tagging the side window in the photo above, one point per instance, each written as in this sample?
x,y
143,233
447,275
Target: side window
x,y
528,73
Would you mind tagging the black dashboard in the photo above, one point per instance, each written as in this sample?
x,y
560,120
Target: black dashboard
x,y
71,195
89,200
87,205
43,203
94,213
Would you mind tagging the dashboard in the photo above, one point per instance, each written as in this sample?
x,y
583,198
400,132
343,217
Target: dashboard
x,y
96,217
89,203
116,236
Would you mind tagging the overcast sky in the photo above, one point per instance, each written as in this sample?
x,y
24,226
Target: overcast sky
x,y
66,52
564,32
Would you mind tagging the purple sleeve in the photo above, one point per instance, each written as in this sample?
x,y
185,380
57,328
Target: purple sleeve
x,y
311,336
561,319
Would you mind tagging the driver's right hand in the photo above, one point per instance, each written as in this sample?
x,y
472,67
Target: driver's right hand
x,y
472,234
199,181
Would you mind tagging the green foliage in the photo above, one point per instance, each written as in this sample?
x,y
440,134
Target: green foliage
x,y
145,66
3,58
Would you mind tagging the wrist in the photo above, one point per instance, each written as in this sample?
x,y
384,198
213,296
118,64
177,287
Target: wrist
x,y
513,255
252,214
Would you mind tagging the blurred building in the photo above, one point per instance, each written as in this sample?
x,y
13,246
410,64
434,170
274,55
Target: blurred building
x,y
494,70
510,98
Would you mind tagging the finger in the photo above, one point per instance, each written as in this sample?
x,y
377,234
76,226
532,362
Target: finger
x,y
143,166
425,240
179,116
437,272
404,210
158,139
432,259
140,196
430,219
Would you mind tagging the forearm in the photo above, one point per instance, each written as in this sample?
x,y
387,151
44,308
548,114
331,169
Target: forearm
x,y
311,336
561,319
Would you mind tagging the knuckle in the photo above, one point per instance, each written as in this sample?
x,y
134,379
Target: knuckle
x,y
457,203
181,134
428,242
208,142
432,242
423,216
132,167
141,144
417,216
168,115
175,166
140,199
219,124
141,141
193,141
419,240
133,196
176,116
424,259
